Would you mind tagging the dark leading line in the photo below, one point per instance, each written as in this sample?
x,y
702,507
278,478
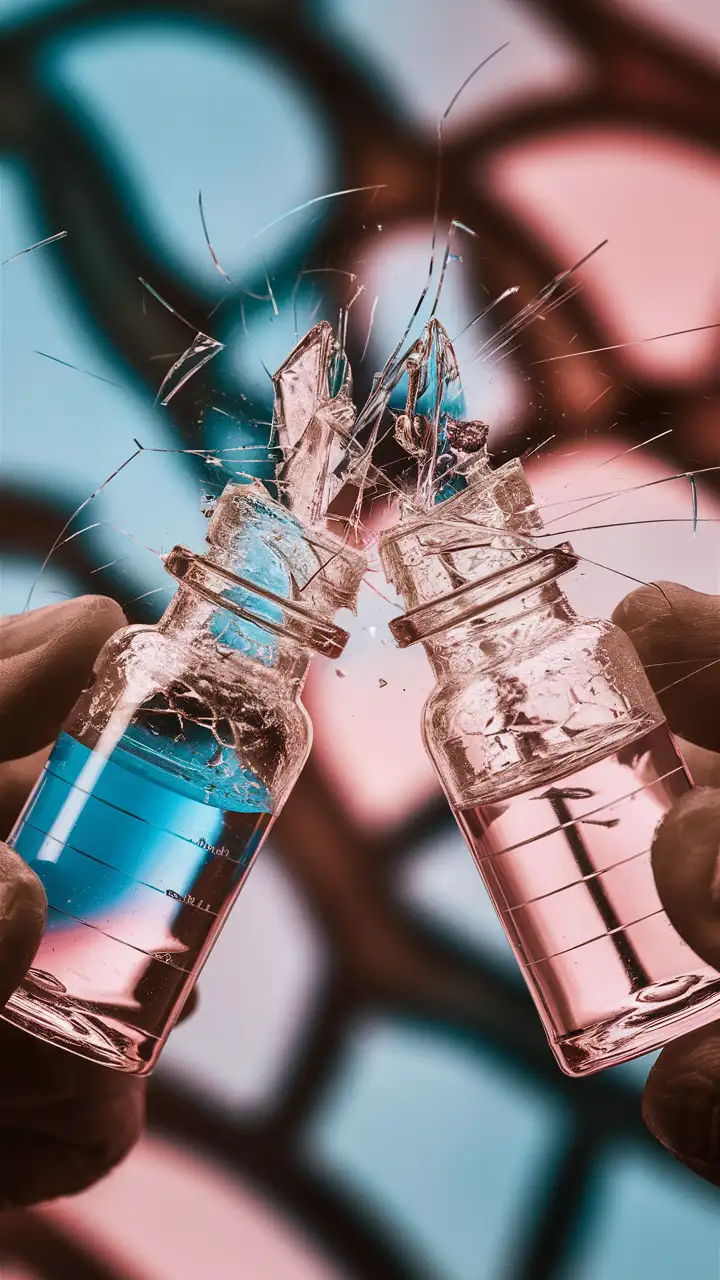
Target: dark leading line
x,y
76,184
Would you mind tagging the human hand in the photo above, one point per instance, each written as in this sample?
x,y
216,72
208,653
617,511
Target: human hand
x,y
677,635
64,1122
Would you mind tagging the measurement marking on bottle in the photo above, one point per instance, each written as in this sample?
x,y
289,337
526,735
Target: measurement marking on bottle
x,y
585,818
190,901
219,850
597,937
174,959
573,884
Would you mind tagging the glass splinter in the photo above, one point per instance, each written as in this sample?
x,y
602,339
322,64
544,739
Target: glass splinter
x,y
432,427
200,351
314,417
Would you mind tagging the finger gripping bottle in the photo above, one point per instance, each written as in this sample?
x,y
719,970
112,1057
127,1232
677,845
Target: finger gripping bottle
x,y
558,764
168,775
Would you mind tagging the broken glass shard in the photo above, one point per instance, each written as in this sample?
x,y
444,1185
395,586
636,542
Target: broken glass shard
x,y
313,419
202,349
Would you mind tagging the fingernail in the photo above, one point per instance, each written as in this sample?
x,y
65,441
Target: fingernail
x,y
23,910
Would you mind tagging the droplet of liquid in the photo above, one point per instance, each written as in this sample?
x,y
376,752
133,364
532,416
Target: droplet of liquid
x,y
45,981
662,992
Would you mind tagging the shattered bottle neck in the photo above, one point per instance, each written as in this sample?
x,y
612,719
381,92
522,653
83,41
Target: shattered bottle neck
x,y
214,624
471,567
267,588
525,689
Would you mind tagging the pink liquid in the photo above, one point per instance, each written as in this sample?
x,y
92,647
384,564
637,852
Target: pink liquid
x,y
568,869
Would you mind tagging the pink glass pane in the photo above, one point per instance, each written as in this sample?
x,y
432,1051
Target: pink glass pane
x,y
658,204
393,268
648,531
427,50
242,1058
367,719
694,23
168,1215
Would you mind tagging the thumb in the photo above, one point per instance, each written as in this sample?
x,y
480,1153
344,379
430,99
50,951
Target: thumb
x,y
686,866
23,908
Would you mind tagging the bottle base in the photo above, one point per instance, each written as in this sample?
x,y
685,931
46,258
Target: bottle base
x,y
40,1007
656,1016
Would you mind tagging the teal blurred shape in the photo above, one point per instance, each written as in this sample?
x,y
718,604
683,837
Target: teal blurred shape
x,y
442,1141
183,109
652,1219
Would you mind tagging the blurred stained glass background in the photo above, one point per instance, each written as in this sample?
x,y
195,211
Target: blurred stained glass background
x,y
364,1090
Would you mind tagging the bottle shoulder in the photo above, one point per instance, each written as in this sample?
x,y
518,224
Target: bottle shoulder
x,y
224,729
145,651
153,677
540,708
584,644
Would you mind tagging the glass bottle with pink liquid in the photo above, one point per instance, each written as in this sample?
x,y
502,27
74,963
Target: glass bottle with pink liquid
x,y
558,764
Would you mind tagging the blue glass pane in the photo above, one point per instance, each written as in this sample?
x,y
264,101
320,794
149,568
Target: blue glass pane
x,y
64,432
185,109
652,1218
16,575
448,1145
636,1072
18,10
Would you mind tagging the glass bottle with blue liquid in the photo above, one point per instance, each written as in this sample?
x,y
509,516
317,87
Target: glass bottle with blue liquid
x,y
169,774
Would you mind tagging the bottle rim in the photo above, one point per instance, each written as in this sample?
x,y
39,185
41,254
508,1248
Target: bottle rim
x,y
211,581
481,595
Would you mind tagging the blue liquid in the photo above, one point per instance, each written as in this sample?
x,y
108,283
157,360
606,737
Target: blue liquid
x,y
141,862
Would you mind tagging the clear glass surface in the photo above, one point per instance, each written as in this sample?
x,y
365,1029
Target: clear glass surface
x,y
568,869
140,867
